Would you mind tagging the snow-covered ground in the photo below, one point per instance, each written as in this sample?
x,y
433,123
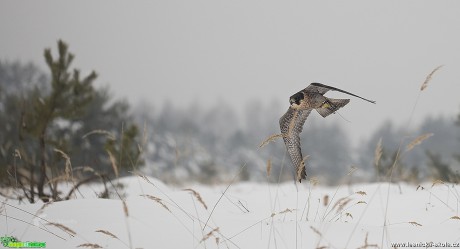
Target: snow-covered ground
x,y
248,215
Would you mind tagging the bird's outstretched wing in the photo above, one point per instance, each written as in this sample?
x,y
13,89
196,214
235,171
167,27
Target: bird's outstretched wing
x,y
322,89
291,125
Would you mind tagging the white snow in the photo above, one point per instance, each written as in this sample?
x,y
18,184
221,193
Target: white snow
x,y
249,215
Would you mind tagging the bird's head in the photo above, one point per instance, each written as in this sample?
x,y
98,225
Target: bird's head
x,y
295,99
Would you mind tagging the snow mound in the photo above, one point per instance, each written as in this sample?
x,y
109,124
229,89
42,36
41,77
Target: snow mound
x,y
248,215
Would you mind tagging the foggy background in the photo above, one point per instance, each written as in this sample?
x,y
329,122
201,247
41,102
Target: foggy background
x,y
212,78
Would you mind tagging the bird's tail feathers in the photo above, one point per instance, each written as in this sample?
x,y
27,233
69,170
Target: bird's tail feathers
x,y
331,106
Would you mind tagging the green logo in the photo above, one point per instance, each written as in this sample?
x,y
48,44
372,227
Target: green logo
x,y
12,242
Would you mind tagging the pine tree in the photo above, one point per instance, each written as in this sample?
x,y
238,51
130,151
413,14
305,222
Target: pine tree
x,y
67,99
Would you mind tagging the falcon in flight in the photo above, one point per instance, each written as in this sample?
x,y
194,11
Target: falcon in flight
x,y
302,103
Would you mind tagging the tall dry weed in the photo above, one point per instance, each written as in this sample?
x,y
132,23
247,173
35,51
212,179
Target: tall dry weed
x,y
197,196
428,78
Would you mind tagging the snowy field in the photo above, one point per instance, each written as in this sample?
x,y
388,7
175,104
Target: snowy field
x,y
248,215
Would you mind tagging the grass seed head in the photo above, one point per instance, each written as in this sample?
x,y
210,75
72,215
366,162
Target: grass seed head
x,y
378,153
428,78
415,223
90,245
198,197
107,233
113,163
125,208
269,167
270,139
418,140
63,228
158,200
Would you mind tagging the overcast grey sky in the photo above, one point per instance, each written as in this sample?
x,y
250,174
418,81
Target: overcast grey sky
x,y
242,50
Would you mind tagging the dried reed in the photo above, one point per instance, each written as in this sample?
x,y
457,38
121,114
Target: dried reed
x,y
301,168
378,153
62,227
158,200
437,182
197,196
113,163
418,140
428,78
269,167
326,200
107,233
125,208
208,235
68,165
89,245
455,218
270,139
415,223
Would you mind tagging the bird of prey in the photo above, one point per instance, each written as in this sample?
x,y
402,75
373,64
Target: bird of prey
x,y
301,105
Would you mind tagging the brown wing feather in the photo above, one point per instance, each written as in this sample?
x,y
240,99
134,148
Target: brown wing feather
x,y
322,89
317,88
291,125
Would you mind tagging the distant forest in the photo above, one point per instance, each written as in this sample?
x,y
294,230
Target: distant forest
x,y
55,125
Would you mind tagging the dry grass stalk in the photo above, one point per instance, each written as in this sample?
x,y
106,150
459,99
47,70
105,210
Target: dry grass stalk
x,y
62,227
197,196
113,163
418,140
428,78
89,245
415,223
338,202
2,207
352,170
107,233
361,202
208,235
349,215
419,187
378,153
455,218
270,139
287,210
103,132
40,211
437,182
269,167
343,204
125,208
316,231
158,200
361,193
314,181
367,245
68,165
144,177
326,200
